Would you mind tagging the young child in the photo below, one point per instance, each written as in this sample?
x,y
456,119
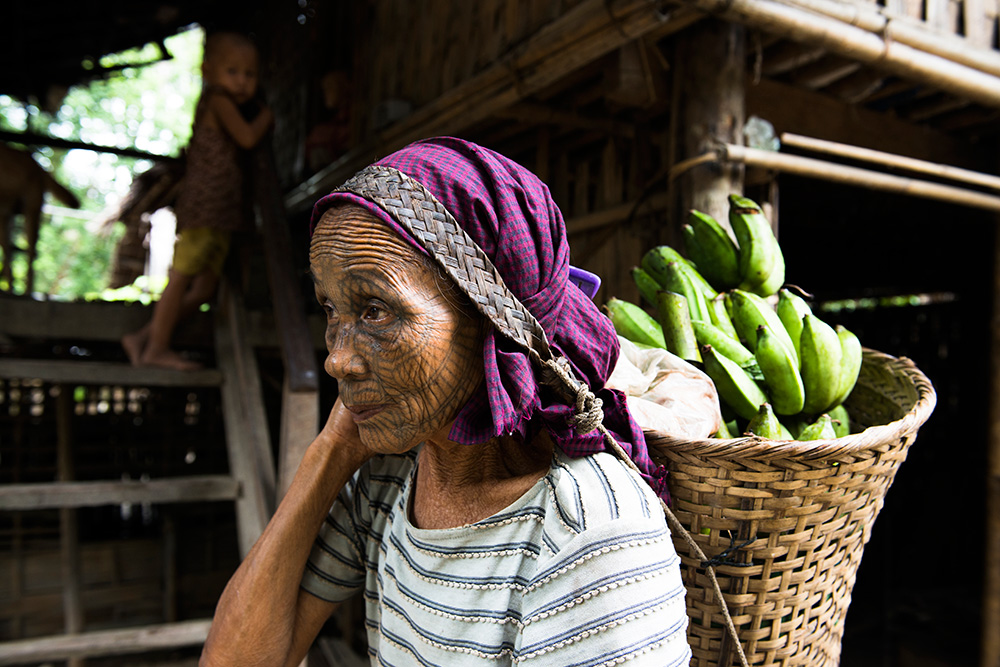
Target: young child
x,y
210,204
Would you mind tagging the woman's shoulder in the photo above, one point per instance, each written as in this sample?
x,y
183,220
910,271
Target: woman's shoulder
x,y
600,488
594,502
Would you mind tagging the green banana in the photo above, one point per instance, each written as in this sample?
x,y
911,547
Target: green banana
x,y
634,323
749,312
795,424
781,372
841,421
675,320
719,314
699,281
761,263
709,334
677,278
656,259
654,262
648,287
712,250
791,309
736,389
821,429
850,362
724,432
821,357
765,423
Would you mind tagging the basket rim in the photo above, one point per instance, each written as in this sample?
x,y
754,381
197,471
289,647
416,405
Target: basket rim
x,y
764,448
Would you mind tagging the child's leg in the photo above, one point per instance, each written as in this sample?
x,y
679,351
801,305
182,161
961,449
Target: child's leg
x,y
166,314
198,259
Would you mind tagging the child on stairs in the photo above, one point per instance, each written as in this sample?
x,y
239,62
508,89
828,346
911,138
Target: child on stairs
x,y
210,204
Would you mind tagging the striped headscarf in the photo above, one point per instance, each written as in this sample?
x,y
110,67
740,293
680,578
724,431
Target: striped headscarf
x,y
509,213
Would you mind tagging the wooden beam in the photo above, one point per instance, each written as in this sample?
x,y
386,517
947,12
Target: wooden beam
x,y
89,320
50,495
616,214
835,120
105,643
109,320
786,56
579,36
106,372
539,114
35,139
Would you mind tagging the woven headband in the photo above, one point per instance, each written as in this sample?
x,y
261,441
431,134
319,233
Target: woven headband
x,y
418,211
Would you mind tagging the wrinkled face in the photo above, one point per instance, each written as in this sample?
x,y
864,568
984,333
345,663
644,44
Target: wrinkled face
x,y
234,69
405,358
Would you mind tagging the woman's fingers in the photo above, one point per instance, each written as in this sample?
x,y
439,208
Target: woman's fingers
x,y
341,426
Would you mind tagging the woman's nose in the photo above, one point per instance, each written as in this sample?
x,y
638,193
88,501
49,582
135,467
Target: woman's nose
x,y
342,359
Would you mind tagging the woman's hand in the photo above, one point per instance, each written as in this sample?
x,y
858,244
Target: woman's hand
x,y
263,618
341,431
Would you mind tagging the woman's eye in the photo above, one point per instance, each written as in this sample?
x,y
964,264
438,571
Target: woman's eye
x,y
375,312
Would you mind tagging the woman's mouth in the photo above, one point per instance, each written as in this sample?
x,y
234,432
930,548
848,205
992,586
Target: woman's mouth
x,y
362,413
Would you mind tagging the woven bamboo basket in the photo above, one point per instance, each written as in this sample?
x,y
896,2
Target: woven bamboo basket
x,y
787,521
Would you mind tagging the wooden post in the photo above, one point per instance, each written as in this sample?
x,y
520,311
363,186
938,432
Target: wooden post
x,y
300,422
709,88
69,543
990,638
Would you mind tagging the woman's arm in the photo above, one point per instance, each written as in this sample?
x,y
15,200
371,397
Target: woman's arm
x,y
246,135
263,618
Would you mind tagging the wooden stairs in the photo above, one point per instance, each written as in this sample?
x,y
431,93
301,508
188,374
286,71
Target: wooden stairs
x,y
257,471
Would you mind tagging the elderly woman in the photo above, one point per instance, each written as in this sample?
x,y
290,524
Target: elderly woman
x,y
463,482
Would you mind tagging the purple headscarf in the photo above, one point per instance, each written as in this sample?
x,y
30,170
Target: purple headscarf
x,y
511,216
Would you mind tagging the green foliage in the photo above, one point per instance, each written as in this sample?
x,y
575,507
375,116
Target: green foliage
x,y
149,108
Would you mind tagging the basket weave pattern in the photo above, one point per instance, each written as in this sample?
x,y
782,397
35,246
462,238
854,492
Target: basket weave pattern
x,y
794,517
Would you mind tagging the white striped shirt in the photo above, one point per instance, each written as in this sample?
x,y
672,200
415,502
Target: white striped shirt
x,y
580,571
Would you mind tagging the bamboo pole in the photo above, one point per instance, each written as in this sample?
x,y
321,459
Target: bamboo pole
x,y
864,178
852,42
891,160
905,30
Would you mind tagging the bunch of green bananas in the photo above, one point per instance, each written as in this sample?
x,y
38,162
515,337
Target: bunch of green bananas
x,y
781,372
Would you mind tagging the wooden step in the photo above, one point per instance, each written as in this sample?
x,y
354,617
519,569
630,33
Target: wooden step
x,y
105,643
106,373
52,495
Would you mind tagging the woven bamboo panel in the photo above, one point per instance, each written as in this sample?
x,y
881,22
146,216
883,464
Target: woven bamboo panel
x,y
441,43
794,517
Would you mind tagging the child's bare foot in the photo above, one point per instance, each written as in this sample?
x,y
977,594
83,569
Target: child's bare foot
x,y
133,344
168,359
